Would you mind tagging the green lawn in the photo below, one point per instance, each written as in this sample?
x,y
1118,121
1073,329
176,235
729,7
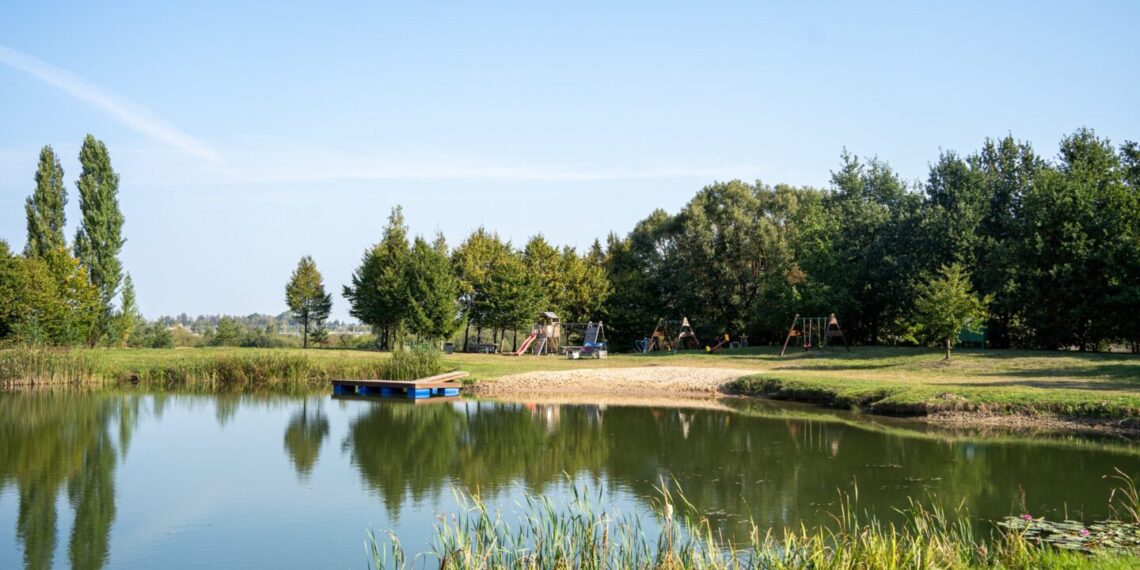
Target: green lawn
x,y
888,380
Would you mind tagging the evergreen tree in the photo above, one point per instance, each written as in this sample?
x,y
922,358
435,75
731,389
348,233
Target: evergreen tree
x,y
946,304
45,207
305,294
433,291
99,239
378,294
228,332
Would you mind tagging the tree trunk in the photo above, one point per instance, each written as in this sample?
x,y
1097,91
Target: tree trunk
x,y
948,346
305,333
466,333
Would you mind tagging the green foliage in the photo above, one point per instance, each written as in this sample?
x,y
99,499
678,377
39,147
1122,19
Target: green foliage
x,y
946,304
433,290
512,296
583,532
45,208
379,293
305,294
229,332
472,262
575,287
45,301
151,335
419,361
127,319
99,239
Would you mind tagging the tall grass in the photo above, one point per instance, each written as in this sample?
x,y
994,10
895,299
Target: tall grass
x,y
46,366
583,534
236,369
419,361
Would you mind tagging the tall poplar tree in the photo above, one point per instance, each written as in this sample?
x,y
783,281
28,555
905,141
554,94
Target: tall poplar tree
x,y
306,296
44,207
99,239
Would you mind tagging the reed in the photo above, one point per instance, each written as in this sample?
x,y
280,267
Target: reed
x,y
46,366
583,534
413,363
228,369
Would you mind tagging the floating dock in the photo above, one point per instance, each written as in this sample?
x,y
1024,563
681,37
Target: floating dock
x,y
445,385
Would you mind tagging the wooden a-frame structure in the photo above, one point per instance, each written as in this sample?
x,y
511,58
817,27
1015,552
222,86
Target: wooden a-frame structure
x,y
663,339
814,332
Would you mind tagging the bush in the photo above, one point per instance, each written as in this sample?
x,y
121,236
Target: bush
x,y
152,335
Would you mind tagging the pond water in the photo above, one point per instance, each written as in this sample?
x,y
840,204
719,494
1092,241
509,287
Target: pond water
x,y
134,480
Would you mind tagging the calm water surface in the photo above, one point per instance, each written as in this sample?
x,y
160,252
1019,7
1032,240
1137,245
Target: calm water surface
x,y
116,480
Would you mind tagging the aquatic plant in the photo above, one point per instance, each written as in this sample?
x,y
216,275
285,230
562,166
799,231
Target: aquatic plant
x,y
582,533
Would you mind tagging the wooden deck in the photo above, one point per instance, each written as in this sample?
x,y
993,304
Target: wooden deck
x,y
400,401
439,385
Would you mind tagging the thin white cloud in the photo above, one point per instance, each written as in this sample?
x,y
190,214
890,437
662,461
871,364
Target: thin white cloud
x,y
288,161
131,114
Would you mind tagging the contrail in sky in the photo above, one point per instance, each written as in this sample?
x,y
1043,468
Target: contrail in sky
x,y
132,114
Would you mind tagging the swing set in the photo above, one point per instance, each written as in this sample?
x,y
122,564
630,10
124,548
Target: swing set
x,y
663,337
814,332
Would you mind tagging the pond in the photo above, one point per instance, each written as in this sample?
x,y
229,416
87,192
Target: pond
x,y
138,480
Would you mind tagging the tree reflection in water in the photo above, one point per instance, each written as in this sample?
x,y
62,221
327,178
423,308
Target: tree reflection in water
x,y
733,466
54,441
306,431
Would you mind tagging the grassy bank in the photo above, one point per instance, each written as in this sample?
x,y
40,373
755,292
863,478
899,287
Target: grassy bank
x,y
1101,387
220,368
583,534
880,380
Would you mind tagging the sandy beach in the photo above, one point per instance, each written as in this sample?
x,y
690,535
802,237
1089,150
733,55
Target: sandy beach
x,y
645,380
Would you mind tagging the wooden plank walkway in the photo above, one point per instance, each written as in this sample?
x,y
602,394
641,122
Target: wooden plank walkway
x,y
439,385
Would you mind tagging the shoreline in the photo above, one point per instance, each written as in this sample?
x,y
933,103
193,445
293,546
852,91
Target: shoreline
x,y
686,385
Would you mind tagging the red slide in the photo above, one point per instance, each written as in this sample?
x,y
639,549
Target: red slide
x,y
525,345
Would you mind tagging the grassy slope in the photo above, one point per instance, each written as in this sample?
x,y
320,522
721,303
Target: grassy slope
x,y
909,381
888,380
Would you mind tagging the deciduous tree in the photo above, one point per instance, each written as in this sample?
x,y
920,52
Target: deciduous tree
x,y
378,294
45,208
433,290
99,239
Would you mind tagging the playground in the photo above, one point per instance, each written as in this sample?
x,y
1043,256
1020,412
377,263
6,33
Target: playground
x,y
1036,390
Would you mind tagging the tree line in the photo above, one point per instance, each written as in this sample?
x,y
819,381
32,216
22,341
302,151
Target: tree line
x,y
1038,253
420,287
1052,246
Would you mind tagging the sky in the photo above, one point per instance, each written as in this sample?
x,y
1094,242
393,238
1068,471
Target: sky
x,y
247,134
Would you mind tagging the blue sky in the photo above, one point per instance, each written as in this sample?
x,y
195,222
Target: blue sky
x,y
248,134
